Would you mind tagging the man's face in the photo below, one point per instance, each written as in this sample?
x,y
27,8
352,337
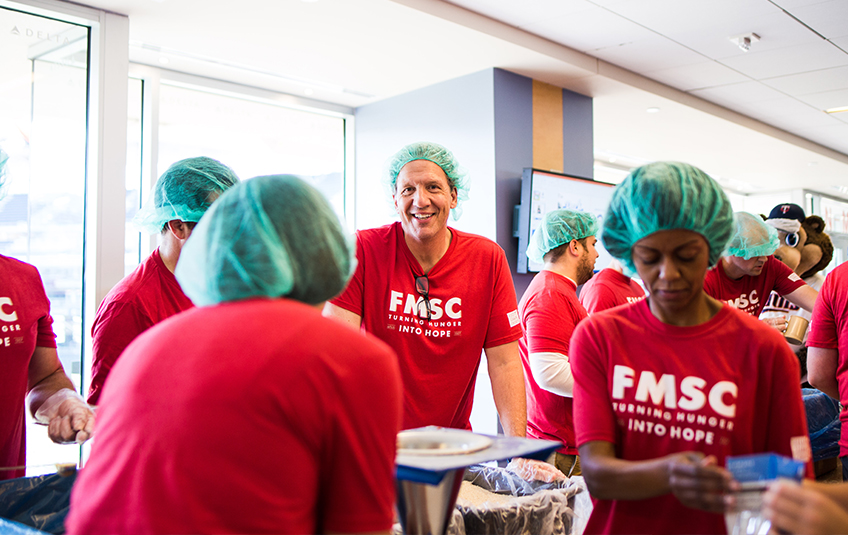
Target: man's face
x,y
752,267
423,200
586,267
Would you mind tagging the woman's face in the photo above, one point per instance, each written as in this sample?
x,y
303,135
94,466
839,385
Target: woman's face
x,y
672,264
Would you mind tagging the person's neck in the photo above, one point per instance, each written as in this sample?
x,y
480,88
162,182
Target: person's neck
x,y
169,251
429,253
562,268
730,270
700,310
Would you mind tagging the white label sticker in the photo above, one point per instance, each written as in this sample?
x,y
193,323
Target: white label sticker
x,y
513,318
801,448
793,277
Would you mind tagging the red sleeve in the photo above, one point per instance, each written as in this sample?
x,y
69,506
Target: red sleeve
x,y
549,324
786,281
115,326
362,445
823,329
594,418
351,298
45,337
504,324
787,432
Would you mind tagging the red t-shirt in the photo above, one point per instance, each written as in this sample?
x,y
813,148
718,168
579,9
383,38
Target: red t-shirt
x,y
749,294
142,299
829,330
25,324
549,312
726,387
607,289
257,416
473,304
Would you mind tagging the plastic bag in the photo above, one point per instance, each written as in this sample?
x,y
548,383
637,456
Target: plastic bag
x,y
823,423
534,507
41,502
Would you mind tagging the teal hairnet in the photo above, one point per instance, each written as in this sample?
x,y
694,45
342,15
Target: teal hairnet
x,y
184,192
439,155
4,158
752,237
270,236
666,196
559,227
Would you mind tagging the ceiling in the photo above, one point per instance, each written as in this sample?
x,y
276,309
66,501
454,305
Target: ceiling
x,y
755,119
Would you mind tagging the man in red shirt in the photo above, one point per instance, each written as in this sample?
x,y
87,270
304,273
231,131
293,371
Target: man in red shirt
x,y
30,371
610,288
151,294
748,272
250,413
438,296
827,348
549,311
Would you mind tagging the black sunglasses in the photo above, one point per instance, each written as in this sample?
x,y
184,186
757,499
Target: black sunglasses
x,y
422,286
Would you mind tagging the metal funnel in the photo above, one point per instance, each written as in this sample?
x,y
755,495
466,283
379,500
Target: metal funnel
x,y
426,509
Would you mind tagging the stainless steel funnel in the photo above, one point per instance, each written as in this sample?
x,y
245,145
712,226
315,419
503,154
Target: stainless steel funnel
x,y
427,509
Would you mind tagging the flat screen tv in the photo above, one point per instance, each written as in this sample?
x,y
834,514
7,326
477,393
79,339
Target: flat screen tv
x,y
543,191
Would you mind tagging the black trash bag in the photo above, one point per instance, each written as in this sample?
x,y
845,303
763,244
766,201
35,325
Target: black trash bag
x,y
823,423
40,502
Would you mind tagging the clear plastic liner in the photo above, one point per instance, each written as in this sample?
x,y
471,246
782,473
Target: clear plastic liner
x,y
535,507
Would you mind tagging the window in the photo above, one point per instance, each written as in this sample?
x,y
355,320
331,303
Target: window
x,y
43,112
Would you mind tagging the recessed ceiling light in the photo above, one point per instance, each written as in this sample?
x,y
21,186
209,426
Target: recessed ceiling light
x,y
308,91
837,110
164,61
653,110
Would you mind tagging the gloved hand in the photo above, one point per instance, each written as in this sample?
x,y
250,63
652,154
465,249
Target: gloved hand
x,y
67,416
530,470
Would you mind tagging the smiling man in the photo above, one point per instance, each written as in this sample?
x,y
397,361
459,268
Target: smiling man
x,y
438,296
748,272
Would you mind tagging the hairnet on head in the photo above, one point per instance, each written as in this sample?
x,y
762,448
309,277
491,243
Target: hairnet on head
x,y
184,192
666,196
270,236
559,227
3,159
752,237
439,155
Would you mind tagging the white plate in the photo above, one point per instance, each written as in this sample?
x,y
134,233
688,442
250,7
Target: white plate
x,y
440,442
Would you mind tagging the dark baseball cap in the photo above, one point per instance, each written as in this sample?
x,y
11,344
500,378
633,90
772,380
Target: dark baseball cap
x,y
788,211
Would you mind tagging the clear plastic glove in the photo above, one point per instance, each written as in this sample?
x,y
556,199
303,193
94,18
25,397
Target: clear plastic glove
x,y
778,322
531,470
67,416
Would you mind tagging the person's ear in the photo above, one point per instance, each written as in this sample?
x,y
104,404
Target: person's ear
x,y
180,229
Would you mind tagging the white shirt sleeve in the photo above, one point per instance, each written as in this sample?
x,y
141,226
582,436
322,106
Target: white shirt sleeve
x,y
552,372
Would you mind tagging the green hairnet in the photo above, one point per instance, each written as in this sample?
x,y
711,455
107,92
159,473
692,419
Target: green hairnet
x,y
433,152
184,192
752,237
666,196
270,236
560,227
3,159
